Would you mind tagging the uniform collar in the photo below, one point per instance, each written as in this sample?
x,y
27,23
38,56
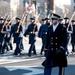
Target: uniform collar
x,y
55,26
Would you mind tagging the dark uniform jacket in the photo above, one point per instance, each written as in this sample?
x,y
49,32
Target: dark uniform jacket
x,y
43,32
29,31
14,29
40,33
66,26
1,34
73,35
7,32
56,41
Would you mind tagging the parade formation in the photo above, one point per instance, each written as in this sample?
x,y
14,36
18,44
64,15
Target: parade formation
x,y
15,31
51,22
54,32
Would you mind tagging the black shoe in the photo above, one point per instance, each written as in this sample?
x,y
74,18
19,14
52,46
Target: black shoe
x,y
72,52
7,49
15,54
40,53
2,53
11,48
29,55
35,54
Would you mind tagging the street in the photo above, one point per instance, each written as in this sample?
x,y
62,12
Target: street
x,y
52,22
24,65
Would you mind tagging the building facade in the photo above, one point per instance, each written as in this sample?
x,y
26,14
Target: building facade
x,y
65,8
16,7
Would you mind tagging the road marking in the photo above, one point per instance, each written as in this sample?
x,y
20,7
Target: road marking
x,y
34,71
6,61
29,68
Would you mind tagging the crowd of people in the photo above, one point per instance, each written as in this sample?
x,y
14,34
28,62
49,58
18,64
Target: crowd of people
x,y
55,33
9,30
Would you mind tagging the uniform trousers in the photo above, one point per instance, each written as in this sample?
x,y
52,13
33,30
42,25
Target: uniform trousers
x,y
32,48
48,70
18,49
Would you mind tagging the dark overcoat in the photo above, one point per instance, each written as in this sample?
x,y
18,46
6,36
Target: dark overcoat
x,y
13,31
56,41
73,35
29,32
40,33
43,32
1,34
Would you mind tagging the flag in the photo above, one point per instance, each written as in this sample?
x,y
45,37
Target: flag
x,y
26,7
32,8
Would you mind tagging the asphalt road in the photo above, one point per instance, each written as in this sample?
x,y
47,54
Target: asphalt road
x,y
24,65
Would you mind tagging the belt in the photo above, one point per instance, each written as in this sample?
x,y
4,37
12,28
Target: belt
x,y
45,33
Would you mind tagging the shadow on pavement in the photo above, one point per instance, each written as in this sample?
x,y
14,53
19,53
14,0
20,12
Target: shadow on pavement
x,y
70,70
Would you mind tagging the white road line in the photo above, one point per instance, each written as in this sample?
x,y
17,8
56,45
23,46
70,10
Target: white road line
x,y
6,61
21,67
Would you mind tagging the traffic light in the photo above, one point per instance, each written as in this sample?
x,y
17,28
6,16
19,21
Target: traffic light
x,y
45,6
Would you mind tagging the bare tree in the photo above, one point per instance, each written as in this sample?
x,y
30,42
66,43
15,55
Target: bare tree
x,y
4,8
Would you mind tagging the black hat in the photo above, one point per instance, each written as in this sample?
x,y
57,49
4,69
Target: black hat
x,y
60,19
32,18
43,20
55,16
66,18
47,19
73,21
8,20
1,19
17,18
